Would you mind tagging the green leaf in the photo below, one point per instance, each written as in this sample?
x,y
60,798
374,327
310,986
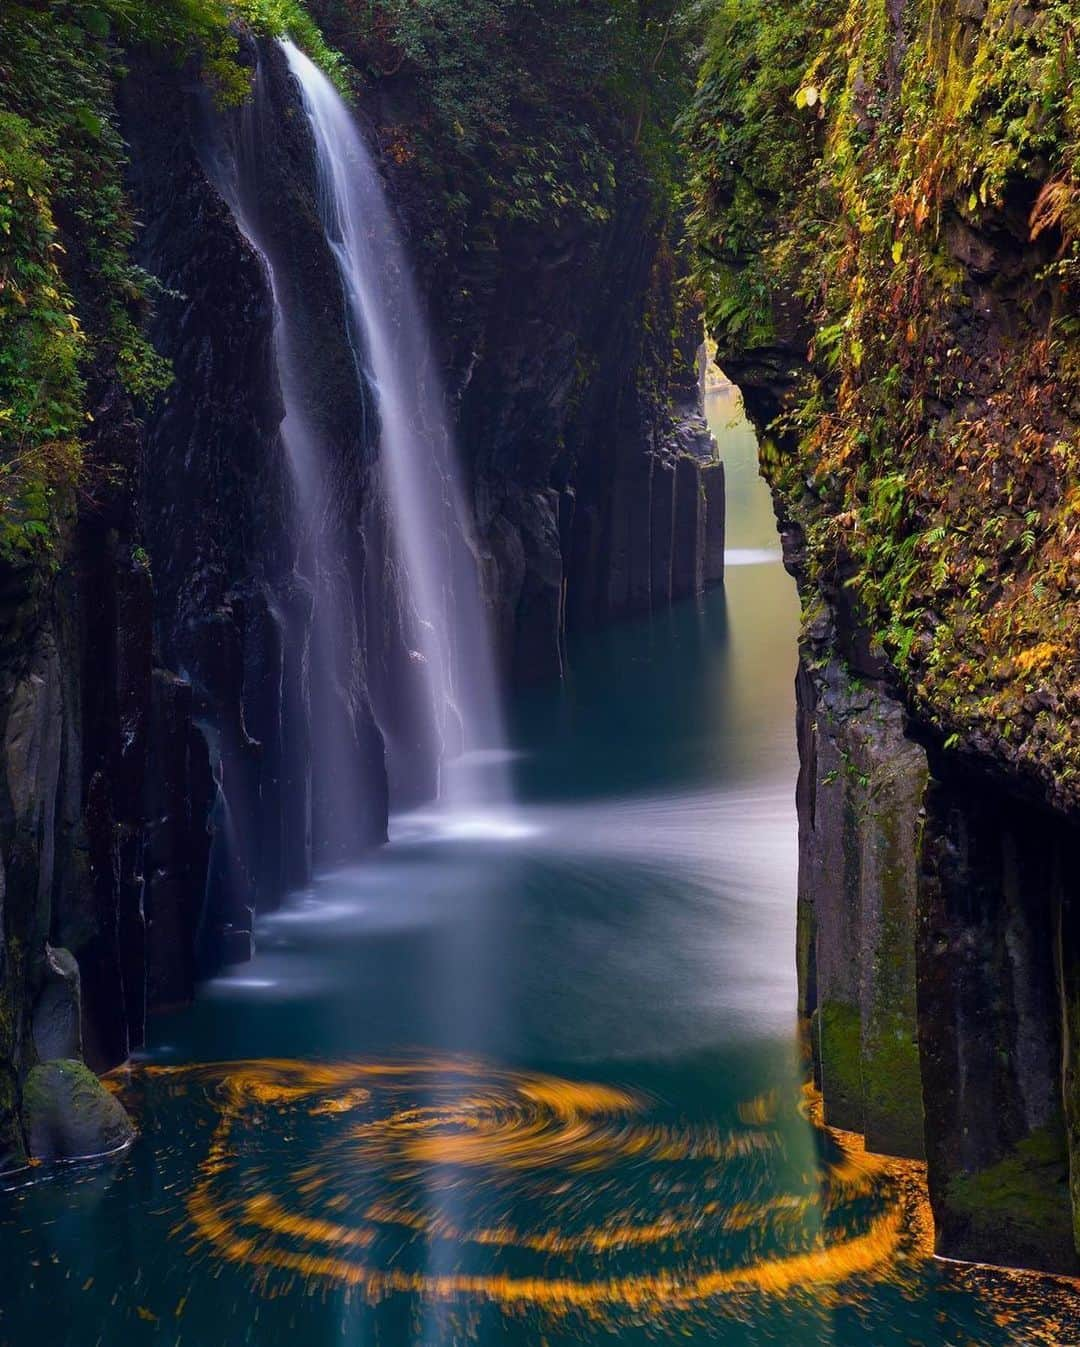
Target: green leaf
x,y
89,120
95,21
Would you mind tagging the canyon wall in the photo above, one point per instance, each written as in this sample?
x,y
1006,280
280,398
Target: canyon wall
x,y
887,250
164,774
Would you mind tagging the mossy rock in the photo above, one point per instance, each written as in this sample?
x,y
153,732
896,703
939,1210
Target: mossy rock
x,y
839,1029
893,1085
1020,1207
69,1115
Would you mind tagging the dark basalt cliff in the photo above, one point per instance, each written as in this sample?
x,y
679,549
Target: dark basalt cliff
x,y
160,765
907,349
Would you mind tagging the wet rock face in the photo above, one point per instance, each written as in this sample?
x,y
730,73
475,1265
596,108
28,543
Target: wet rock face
x,y
212,503
74,689
57,1022
180,792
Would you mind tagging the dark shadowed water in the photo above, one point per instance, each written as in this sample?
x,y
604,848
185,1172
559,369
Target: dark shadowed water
x,y
530,1078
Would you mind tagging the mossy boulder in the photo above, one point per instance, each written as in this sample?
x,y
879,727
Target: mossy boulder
x,y
69,1115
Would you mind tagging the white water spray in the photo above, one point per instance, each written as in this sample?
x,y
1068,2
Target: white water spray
x,y
341,816
430,523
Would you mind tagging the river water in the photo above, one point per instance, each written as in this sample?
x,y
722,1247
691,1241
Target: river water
x,y
532,1077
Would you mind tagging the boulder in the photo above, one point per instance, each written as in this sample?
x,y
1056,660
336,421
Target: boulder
x,y
69,1115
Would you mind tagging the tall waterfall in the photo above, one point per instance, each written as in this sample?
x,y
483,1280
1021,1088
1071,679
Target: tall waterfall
x,y
430,524
332,751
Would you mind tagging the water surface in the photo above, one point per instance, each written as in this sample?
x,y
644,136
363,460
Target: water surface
x,y
530,1076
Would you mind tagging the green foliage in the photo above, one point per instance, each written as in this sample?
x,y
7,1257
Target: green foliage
x,y
750,148
878,199
71,300
527,107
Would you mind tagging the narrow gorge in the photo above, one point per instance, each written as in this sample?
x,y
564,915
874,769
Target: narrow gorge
x,y
538,684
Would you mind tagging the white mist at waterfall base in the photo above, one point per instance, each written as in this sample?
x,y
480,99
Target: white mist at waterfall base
x,y
432,532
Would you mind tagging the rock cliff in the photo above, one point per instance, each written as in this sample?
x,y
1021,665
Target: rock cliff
x,y
885,200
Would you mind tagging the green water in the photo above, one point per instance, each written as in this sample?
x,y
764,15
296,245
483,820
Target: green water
x,y
530,1078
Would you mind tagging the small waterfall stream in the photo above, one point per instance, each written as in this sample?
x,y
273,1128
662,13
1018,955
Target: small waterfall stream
x,y
430,524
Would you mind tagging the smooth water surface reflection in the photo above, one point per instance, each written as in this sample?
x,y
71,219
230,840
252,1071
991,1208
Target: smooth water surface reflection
x,y
527,1076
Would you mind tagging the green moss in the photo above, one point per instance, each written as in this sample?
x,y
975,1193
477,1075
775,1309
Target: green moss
x,y
806,935
1026,1193
892,1078
892,1073
839,1030
68,1114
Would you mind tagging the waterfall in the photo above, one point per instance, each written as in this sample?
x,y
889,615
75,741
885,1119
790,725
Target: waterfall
x,y
430,525
333,751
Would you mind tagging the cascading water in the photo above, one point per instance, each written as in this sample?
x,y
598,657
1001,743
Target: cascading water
x,y
330,722
430,524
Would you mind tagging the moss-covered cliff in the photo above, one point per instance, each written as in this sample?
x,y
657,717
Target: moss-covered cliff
x,y
885,209
887,212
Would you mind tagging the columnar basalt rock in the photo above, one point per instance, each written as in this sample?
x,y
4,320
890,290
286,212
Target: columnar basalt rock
x,y
997,874
936,937
936,968
860,796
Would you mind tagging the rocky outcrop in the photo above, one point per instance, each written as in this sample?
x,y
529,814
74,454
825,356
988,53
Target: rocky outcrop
x,y
69,1115
860,795
75,678
915,390
57,1021
996,890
